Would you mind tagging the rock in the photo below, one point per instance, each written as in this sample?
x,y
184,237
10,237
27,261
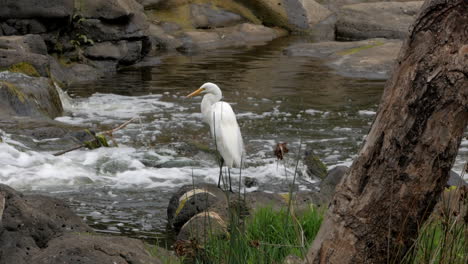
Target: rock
x,y
237,36
23,27
202,226
370,59
24,95
125,52
315,167
376,20
190,200
205,16
99,31
29,63
327,186
86,248
456,180
294,15
161,40
36,9
250,182
108,9
74,73
149,4
29,222
27,43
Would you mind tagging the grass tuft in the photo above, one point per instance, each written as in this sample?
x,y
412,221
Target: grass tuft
x,y
265,238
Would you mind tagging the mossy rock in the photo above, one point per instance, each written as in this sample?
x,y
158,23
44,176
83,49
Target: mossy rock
x,y
23,67
358,49
315,167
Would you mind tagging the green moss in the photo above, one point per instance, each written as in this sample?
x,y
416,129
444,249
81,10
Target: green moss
x,y
25,68
14,90
358,49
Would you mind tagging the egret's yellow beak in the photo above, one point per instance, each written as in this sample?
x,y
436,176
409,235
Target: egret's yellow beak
x,y
197,92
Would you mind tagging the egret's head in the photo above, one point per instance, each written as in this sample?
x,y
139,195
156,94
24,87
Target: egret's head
x,y
207,88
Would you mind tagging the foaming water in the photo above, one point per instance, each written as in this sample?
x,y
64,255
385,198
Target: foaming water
x,y
126,189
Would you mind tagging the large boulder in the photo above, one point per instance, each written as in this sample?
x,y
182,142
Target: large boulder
x,y
29,222
294,15
370,59
27,54
23,95
85,248
36,9
376,20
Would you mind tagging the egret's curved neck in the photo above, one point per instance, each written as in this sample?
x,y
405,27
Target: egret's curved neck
x,y
207,102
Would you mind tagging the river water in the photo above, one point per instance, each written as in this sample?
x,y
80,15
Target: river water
x,y
277,98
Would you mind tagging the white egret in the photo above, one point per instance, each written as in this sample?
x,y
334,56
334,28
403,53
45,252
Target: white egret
x,y
223,126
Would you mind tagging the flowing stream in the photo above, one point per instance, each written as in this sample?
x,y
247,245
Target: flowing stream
x,y
125,190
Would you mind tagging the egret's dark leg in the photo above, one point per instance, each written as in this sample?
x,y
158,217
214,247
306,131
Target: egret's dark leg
x,y
221,162
229,175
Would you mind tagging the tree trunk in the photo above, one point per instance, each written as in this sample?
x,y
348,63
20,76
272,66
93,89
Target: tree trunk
x,y
405,162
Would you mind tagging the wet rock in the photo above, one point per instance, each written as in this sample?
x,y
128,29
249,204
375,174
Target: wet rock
x,y
190,200
28,43
371,59
29,63
376,20
250,182
327,186
85,248
456,180
205,16
23,95
315,167
73,73
29,222
36,9
293,15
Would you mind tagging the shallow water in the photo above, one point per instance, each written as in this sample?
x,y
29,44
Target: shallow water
x,y
126,190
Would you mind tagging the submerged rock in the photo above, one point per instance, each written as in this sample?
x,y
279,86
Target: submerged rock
x,y
370,59
376,20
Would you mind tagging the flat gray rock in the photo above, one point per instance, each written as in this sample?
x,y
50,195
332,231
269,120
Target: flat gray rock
x,y
376,20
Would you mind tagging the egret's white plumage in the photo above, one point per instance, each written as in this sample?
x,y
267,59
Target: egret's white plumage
x,y
223,124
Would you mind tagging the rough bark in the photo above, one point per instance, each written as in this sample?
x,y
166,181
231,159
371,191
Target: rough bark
x,y
406,159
